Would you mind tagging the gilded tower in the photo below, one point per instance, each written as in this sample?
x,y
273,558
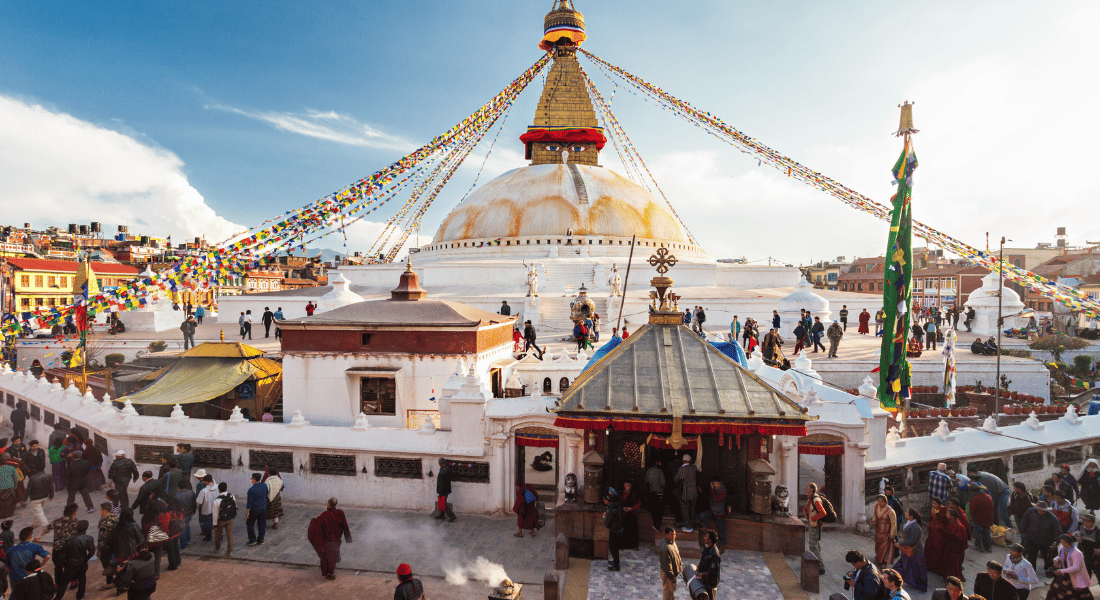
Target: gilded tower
x,y
565,129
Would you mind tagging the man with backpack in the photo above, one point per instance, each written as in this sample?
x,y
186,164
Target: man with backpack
x,y
815,513
225,507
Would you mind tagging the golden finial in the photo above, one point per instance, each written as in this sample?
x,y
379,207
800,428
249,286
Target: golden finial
x,y
905,127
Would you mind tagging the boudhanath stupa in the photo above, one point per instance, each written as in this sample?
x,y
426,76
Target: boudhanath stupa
x,y
566,221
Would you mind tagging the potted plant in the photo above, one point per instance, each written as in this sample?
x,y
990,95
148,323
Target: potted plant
x,y
923,413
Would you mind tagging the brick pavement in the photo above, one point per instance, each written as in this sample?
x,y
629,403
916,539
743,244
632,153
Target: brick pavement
x,y
744,576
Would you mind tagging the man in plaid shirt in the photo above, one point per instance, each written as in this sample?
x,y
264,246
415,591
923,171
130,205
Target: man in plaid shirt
x,y
939,484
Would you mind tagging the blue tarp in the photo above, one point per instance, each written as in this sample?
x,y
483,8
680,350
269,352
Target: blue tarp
x,y
608,347
733,351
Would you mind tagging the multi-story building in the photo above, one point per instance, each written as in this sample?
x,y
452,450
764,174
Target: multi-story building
x,y
864,276
34,284
266,279
825,275
945,285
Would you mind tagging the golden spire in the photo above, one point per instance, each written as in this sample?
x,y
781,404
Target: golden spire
x,y
84,273
562,24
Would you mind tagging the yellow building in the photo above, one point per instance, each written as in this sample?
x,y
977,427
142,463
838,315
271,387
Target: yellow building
x,y
38,283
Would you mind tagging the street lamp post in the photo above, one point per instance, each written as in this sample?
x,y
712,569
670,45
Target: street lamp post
x,y
1000,328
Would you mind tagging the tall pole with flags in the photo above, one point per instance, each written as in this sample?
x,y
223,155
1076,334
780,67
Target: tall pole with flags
x,y
894,374
81,351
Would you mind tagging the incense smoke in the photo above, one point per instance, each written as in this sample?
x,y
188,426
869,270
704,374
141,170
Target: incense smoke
x,y
481,569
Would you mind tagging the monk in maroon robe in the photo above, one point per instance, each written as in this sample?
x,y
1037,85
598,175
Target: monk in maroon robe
x,y
325,533
954,548
527,516
937,528
954,503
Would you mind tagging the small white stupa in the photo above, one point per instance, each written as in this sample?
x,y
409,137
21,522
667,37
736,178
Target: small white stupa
x,y
157,314
803,297
341,294
984,300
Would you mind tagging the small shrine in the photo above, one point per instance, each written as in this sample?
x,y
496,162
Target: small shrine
x,y
665,393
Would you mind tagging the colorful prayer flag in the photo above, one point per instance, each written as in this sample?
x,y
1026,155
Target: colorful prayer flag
x,y
897,286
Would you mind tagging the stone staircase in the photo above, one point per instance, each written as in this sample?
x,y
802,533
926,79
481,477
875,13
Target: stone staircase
x,y
555,312
559,277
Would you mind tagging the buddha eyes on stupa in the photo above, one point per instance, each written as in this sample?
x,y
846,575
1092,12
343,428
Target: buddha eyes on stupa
x,y
553,148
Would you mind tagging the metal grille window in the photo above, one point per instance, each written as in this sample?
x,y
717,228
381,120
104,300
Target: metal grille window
x,y
477,472
10,399
101,444
81,432
1027,463
403,468
36,413
150,454
332,464
258,460
50,419
1072,454
378,395
65,424
213,458
895,478
991,465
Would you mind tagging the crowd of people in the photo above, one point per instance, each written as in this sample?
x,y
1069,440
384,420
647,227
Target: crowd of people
x,y
132,538
964,510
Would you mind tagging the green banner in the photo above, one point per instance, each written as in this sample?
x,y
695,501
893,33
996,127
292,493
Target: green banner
x,y
897,286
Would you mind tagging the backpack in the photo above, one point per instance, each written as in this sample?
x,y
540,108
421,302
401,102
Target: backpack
x,y
830,512
228,509
529,496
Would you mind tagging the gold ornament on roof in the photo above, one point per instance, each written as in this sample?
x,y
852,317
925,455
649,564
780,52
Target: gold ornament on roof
x,y
662,260
905,126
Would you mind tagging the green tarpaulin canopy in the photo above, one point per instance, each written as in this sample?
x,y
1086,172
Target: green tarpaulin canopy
x,y
194,380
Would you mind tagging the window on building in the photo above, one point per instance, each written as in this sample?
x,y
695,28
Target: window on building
x,y
844,287
37,281
64,281
25,302
51,281
99,282
378,395
25,280
53,301
859,287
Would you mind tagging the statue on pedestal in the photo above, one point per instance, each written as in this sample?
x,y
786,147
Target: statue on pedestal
x,y
532,281
571,487
615,282
781,501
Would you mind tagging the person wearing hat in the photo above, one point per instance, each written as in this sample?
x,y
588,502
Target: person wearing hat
x,y
1088,540
1040,529
1019,572
981,517
408,587
205,502
121,473
834,333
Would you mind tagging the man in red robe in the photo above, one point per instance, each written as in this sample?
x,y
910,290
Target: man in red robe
x,y
937,532
954,548
325,533
954,503
527,516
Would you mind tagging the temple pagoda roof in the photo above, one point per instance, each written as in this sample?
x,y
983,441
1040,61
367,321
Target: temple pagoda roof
x,y
666,372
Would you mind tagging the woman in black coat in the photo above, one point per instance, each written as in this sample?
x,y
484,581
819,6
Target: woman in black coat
x,y
1089,483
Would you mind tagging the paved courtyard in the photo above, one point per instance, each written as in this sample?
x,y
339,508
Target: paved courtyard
x,y
744,576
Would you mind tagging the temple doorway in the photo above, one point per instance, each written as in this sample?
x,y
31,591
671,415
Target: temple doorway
x,y
537,461
821,461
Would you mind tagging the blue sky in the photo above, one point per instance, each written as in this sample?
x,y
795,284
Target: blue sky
x,y
192,117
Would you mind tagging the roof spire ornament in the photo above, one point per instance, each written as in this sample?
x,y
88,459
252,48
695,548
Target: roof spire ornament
x,y
563,26
664,310
905,126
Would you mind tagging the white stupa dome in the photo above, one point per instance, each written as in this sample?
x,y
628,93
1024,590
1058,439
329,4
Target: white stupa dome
x,y
553,198
341,294
803,297
986,296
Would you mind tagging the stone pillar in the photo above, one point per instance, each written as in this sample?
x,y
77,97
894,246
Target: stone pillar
x,y
499,466
855,508
786,466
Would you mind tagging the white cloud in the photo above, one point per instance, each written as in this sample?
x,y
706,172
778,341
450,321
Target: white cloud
x,y
331,126
56,169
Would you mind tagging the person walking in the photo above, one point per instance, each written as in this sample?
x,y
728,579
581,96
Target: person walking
x,y
225,507
529,339
205,501
505,310
981,517
526,512
1019,572
800,338
185,460
247,325
911,563
956,539
687,490
710,564
864,322
121,472
408,587
39,490
150,490
631,503
72,559
816,331
34,458
126,538
671,564
200,312
95,464
103,549
18,419
1088,540
939,484
844,317
78,480
267,318
655,494
1071,580
775,320
735,330
325,534
275,486
880,318
139,576
188,329
613,521
834,333
22,555
814,512
886,531
240,322
255,511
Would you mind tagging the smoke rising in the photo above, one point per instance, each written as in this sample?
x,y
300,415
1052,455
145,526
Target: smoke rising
x,y
481,569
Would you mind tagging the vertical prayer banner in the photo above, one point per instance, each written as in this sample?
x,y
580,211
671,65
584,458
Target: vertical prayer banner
x,y
949,341
897,286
